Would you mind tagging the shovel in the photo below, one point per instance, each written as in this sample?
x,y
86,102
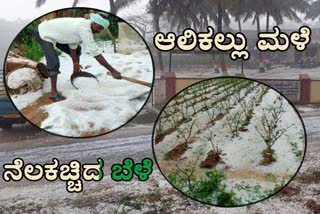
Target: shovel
x,y
43,69
140,96
133,80
81,74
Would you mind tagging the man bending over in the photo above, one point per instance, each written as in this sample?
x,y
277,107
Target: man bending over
x,y
66,34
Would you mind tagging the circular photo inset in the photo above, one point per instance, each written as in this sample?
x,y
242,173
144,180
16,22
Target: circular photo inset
x,y
79,72
229,141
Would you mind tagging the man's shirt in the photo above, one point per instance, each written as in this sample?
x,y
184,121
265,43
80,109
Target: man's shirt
x,y
71,31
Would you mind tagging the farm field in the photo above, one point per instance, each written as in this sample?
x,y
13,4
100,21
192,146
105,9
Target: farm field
x,y
229,141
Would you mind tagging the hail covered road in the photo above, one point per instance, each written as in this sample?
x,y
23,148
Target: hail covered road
x,y
33,145
133,141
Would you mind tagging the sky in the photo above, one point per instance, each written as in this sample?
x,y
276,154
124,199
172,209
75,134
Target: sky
x,y
27,11
15,14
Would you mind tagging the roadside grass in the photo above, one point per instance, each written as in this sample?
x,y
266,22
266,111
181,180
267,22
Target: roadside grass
x,y
209,190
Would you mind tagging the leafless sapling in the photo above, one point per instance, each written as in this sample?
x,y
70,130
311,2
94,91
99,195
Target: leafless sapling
x,y
187,174
211,112
270,129
222,108
234,122
173,120
185,113
214,155
186,132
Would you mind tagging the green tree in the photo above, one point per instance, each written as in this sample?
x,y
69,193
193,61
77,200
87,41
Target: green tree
x,y
279,10
157,8
220,16
313,12
238,10
183,14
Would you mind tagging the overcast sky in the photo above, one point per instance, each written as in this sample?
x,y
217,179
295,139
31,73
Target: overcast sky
x,y
26,10
15,14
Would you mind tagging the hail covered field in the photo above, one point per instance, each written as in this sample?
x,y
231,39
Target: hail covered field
x,y
95,107
229,141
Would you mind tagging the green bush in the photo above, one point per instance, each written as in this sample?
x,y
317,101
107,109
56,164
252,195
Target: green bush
x,y
32,50
28,45
227,199
205,188
26,35
212,187
178,183
210,190
113,27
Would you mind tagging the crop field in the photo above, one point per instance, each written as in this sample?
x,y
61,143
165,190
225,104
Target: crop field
x,y
229,141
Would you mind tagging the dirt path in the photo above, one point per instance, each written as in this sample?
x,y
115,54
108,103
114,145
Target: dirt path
x,y
251,174
36,115
34,112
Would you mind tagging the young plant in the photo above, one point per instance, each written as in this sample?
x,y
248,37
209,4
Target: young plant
x,y
184,177
247,108
222,108
270,129
237,96
166,112
227,103
185,113
225,88
193,104
234,122
263,91
211,112
186,132
214,155
173,120
160,127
